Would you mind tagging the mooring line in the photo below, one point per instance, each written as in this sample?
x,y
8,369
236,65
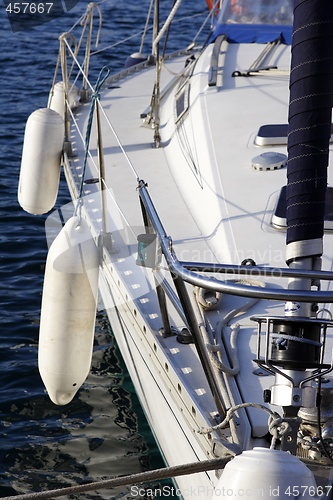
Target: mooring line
x,y
151,475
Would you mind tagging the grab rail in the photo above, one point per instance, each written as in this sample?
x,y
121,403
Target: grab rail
x,y
183,270
214,61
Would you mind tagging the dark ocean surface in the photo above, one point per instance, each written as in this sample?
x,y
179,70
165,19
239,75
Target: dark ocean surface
x,y
103,432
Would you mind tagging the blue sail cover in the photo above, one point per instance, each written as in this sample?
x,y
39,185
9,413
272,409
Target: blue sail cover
x,y
253,33
311,101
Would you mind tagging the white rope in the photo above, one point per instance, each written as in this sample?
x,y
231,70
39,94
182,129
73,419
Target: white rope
x,y
51,95
277,425
234,355
83,20
63,56
76,51
235,328
86,18
166,24
230,414
181,73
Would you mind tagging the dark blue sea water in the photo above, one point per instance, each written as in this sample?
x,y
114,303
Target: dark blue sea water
x,y
102,433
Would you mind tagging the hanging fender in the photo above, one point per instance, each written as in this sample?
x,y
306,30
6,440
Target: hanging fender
x,y
68,311
57,98
40,165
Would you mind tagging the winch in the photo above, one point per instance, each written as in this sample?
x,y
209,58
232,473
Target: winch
x,y
294,352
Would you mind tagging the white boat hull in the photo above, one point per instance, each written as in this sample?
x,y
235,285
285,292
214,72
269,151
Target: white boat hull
x,y
159,406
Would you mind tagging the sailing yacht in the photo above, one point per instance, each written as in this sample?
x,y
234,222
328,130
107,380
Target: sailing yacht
x,y
184,216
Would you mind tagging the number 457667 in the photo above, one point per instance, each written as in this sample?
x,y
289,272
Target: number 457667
x,y
313,491
29,8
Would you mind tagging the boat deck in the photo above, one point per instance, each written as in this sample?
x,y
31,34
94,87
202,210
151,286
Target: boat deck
x,y
214,205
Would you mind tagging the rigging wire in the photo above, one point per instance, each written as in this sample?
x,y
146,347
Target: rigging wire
x,y
120,42
106,187
150,28
79,66
120,144
146,25
94,98
208,17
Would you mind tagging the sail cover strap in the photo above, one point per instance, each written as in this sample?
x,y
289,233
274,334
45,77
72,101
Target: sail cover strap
x,y
310,109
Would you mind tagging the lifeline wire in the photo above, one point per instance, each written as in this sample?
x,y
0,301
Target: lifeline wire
x,y
94,99
78,64
106,187
120,144
146,25
150,28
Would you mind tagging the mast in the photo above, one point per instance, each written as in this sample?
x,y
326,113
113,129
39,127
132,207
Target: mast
x,y
310,106
296,350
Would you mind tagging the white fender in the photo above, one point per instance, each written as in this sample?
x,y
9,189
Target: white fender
x,y
134,59
263,473
68,311
57,100
40,165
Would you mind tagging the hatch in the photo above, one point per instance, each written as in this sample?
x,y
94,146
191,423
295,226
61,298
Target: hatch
x,y
271,135
279,220
275,134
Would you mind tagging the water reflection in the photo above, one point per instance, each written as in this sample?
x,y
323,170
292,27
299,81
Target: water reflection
x,y
100,434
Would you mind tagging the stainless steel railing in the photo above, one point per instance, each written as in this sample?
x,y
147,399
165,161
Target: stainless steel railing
x,y
185,270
